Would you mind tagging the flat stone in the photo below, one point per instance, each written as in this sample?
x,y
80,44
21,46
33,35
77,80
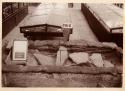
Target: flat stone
x,y
62,56
80,57
97,60
108,64
44,59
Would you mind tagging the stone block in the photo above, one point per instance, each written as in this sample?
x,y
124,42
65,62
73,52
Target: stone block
x,y
80,57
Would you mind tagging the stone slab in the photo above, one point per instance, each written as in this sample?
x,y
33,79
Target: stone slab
x,y
80,57
44,59
97,60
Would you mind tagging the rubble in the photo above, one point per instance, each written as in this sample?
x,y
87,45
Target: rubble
x,y
80,57
97,60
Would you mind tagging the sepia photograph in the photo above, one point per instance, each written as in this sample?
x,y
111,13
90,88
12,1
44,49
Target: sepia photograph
x,y
51,44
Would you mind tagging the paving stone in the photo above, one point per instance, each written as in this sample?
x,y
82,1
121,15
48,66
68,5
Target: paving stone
x,y
44,59
80,57
108,64
62,56
97,60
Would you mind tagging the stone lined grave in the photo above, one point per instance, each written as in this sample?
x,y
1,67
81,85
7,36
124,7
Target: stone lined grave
x,y
43,68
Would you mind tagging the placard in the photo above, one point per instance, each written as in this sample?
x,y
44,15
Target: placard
x,y
19,50
67,25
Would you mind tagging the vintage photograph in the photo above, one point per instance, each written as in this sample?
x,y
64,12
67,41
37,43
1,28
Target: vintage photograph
x,y
62,44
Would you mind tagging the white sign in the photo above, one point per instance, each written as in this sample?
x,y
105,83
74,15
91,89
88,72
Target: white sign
x,y
20,49
67,25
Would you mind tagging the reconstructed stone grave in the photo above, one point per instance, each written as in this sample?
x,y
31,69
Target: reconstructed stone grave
x,y
64,64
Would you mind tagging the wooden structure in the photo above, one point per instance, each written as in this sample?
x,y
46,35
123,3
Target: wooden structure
x,y
46,21
106,20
